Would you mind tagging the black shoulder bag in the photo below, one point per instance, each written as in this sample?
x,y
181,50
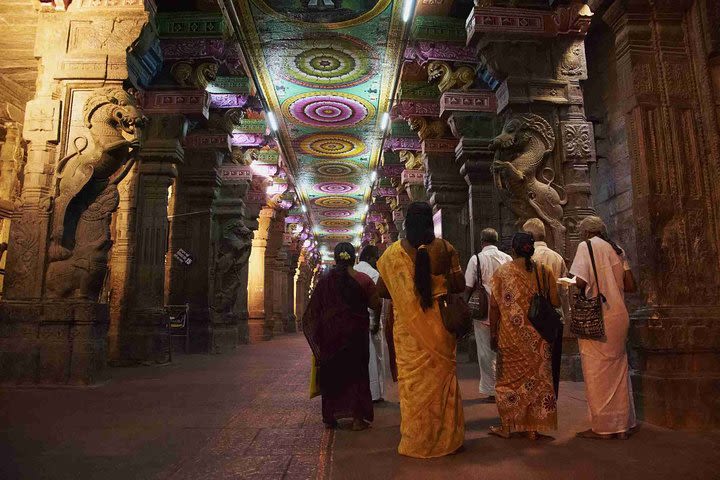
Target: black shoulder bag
x,y
454,311
478,300
542,314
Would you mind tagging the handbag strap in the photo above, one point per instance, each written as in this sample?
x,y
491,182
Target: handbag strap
x,y
542,287
478,273
592,262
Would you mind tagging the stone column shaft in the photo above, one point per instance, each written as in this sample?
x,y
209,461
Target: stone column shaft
x,y
256,279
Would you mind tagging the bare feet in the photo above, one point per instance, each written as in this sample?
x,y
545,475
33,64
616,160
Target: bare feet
x,y
500,432
359,425
594,436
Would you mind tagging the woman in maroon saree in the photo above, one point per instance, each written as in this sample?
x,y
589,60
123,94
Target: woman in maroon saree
x,y
336,325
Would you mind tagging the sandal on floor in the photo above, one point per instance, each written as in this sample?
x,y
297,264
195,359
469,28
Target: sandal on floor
x,y
593,436
500,432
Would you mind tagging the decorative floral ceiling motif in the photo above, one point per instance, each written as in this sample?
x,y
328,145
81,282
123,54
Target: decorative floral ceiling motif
x,y
327,69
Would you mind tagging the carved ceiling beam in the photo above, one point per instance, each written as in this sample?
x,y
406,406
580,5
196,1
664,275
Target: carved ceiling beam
x,y
195,104
425,51
481,101
438,29
401,143
415,108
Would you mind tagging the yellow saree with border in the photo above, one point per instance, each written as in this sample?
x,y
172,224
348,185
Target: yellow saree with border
x,y
432,422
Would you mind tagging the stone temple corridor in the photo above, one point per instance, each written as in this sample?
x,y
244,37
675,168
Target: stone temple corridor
x,y
175,174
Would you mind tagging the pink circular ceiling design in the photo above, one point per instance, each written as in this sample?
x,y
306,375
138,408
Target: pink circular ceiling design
x,y
336,188
337,213
338,230
320,110
339,238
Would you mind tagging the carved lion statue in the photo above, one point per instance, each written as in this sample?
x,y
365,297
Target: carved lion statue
x,y
86,193
412,160
427,129
442,73
520,150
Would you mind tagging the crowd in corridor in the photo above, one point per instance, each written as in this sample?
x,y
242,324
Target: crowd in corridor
x,y
405,310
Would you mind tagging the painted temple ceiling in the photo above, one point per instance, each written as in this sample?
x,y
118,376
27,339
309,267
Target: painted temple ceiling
x,y
327,71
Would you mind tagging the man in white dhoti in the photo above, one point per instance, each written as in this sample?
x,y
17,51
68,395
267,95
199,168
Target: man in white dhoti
x,y
368,265
604,361
488,260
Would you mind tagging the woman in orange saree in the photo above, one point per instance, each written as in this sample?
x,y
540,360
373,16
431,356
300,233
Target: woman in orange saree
x,y
414,272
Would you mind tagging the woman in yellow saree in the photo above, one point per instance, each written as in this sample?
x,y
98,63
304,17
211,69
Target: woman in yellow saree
x,y
414,272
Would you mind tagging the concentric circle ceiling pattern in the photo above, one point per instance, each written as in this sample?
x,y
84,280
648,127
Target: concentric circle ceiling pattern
x,y
327,70
331,63
335,111
332,145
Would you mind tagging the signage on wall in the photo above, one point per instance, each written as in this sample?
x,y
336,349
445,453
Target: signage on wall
x,y
183,257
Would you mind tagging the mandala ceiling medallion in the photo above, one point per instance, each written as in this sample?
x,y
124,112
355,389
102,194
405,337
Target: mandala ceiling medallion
x,y
337,223
326,12
335,62
335,202
337,213
338,238
337,145
343,169
319,110
336,188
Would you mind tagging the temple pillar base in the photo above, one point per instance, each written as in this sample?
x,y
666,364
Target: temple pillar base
x,y
223,337
257,330
147,339
677,376
53,342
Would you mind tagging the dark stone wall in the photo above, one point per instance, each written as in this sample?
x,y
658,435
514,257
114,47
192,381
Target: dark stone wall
x,y
611,176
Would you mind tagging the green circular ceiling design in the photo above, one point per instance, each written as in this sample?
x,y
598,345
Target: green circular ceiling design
x,y
334,62
335,168
325,12
328,110
332,145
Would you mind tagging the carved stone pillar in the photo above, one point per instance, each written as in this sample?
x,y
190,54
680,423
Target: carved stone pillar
x,y
256,279
232,252
12,159
139,333
448,194
473,121
539,93
53,321
670,130
192,231
275,259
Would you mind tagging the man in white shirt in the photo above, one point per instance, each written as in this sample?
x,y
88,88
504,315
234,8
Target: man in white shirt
x,y
488,260
554,262
368,265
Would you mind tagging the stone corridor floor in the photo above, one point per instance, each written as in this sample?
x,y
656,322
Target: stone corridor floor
x,y
246,415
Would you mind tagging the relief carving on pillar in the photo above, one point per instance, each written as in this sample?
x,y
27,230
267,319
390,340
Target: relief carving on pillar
x,y
520,151
196,76
233,255
447,79
412,160
87,194
434,128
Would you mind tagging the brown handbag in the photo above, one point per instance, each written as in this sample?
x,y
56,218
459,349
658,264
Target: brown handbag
x,y
455,312
478,302
586,320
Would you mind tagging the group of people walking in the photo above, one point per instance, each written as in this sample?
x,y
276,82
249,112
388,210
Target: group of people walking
x,y
519,369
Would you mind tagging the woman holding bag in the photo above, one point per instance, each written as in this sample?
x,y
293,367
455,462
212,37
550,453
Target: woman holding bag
x,y
604,359
415,272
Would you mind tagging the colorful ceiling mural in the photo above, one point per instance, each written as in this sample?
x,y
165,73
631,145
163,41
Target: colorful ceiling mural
x,y
327,70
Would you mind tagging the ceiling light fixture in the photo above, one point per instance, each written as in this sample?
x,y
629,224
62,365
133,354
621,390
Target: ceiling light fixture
x,y
303,208
373,176
408,9
384,121
272,121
